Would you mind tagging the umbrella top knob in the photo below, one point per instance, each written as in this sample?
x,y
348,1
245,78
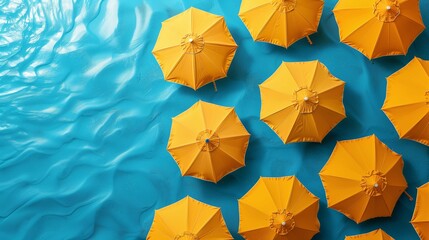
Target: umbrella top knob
x,y
376,185
190,40
207,140
283,223
388,7
305,98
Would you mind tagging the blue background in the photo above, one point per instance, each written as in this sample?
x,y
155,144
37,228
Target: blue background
x,y
85,117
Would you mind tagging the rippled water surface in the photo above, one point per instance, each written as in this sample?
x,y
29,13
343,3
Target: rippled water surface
x,y
85,116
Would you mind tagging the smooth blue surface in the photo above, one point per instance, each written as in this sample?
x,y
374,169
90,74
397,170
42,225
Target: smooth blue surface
x,y
85,117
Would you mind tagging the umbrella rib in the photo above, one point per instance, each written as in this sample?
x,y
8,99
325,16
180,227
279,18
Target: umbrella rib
x,y
387,171
285,29
310,85
364,209
165,48
213,64
235,136
412,20
272,89
298,12
314,124
296,213
340,84
420,221
417,123
254,8
340,177
211,26
344,199
202,116
278,111
212,168
265,24
378,39
194,70
182,146
331,110
399,37
235,160
275,24
424,69
254,208
220,44
293,127
404,105
269,193
223,120
352,156
205,223
192,163
354,31
175,66
160,218
288,207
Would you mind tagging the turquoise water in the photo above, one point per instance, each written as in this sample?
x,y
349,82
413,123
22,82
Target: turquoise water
x,y
85,117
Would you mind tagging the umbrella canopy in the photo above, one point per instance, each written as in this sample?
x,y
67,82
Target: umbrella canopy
x,y
188,219
281,22
374,235
379,27
407,101
208,141
420,218
302,101
194,48
278,208
363,178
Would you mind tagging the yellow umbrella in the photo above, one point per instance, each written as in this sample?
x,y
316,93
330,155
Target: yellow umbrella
x,y
379,27
302,101
281,22
363,178
188,219
194,48
378,234
407,100
420,218
208,141
278,208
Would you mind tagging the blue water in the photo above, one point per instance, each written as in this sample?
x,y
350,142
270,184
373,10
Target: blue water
x,y
85,117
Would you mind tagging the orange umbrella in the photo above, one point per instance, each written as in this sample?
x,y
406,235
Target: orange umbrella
x,y
420,218
379,27
378,234
188,219
407,101
194,48
363,179
281,22
278,208
208,141
302,101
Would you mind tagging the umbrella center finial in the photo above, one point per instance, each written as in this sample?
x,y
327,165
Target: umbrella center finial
x,y
306,100
386,10
192,43
284,6
282,222
208,140
374,183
